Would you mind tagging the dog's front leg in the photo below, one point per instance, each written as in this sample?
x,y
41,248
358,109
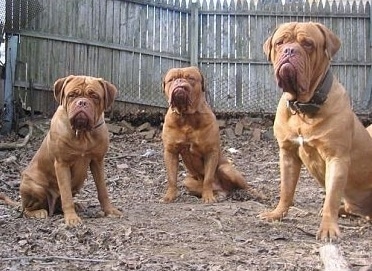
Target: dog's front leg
x,y
210,167
97,169
337,170
63,174
171,160
290,167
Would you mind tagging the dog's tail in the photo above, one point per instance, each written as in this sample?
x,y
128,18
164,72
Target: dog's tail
x,y
8,200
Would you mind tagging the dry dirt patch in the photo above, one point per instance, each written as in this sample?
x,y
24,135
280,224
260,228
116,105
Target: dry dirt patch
x,y
184,235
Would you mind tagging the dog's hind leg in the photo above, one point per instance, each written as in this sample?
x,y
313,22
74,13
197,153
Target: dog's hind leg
x,y
52,199
231,178
34,199
194,186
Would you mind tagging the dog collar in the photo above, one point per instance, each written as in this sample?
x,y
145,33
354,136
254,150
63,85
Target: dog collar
x,y
99,124
77,132
320,96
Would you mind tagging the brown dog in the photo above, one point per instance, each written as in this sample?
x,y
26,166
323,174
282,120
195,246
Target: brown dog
x,y
77,139
191,130
316,126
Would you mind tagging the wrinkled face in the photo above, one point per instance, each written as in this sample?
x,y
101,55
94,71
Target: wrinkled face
x,y
85,99
183,86
301,54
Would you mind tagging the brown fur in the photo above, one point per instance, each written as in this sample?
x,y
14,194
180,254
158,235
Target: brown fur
x,y
336,148
191,130
77,139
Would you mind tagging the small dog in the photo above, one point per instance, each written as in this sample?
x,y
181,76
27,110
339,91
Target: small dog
x,y
190,129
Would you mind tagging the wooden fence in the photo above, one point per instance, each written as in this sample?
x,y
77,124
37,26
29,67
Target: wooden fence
x,y
132,43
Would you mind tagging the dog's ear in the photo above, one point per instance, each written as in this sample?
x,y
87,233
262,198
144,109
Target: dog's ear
x,y
203,81
202,77
163,84
267,47
332,42
110,93
59,87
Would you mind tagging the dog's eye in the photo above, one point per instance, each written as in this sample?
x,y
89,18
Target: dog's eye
x,y
170,80
191,79
94,95
278,43
72,95
307,44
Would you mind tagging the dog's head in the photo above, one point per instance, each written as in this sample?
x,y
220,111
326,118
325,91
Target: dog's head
x,y
84,98
184,89
301,54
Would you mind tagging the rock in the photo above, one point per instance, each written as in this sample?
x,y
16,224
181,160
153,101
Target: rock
x,y
122,166
127,127
23,131
256,120
221,123
246,122
239,127
144,127
366,268
256,135
115,129
149,134
230,133
268,134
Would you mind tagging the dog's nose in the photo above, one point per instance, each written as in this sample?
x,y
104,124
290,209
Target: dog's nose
x,y
289,51
179,82
82,103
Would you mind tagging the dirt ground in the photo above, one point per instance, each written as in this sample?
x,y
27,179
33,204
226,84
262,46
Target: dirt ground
x,y
184,235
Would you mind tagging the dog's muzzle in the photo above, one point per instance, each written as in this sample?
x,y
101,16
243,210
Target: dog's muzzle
x,y
180,98
82,115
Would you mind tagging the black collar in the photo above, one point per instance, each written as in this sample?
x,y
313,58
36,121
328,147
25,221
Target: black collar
x,y
99,124
320,96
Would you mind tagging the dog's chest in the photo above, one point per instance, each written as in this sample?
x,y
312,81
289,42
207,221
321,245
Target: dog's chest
x,y
309,151
188,141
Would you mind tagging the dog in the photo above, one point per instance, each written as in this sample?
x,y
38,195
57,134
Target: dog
x,y
78,138
315,126
191,131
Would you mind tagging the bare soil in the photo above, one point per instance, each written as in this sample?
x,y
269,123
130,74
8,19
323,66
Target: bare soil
x,y
184,235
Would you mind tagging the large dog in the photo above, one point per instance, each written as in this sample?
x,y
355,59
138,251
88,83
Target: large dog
x,y
315,126
191,130
78,138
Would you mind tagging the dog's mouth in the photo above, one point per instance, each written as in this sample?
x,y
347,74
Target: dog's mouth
x,y
80,121
81,115
289,77
180,98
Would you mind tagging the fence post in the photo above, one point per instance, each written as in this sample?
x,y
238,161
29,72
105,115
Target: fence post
x,y
369,84
10,64
194,33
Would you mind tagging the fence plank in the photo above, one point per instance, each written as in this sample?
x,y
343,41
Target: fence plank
x,y
133,43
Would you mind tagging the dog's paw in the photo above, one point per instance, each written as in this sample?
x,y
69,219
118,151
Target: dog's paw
x,y
72,220
328,232
272,216
208,197
169,196
113,212
41,213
